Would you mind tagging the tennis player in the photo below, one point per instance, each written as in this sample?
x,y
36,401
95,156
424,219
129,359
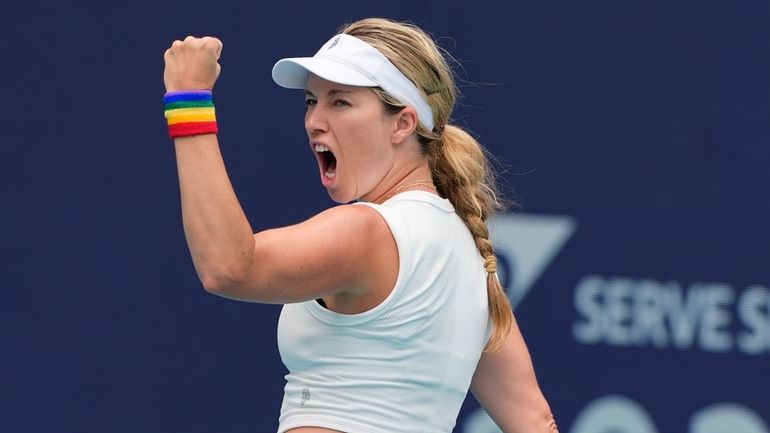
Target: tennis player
x,y
392,306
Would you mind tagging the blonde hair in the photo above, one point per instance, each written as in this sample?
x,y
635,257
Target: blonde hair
x,y
460,167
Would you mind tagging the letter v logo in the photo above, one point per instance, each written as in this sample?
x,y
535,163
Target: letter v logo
x,y
525,245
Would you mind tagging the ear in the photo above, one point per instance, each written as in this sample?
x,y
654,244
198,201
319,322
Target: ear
x,y
405,124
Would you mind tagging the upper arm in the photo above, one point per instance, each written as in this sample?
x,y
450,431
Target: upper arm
x,y
505,384
344,249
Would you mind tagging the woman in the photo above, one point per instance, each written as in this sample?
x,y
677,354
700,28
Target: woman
x,y
392,305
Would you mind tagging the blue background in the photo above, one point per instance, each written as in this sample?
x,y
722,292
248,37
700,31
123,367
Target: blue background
x,y
645,121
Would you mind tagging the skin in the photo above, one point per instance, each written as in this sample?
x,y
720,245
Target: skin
x,y
292,264
376,153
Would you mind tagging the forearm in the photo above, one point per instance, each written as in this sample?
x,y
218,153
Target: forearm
x,y
218,234
505,385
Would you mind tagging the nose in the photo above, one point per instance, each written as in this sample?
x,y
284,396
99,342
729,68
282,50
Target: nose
x,y
315,121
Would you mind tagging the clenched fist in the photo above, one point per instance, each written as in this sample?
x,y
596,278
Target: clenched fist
x,y
192,64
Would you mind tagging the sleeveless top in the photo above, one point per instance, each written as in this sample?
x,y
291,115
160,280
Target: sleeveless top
x,y
406,364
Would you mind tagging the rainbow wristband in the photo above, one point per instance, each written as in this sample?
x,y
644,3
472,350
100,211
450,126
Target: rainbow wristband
x,y
190,112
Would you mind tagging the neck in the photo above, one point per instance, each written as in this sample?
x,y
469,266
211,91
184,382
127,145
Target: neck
x,y
419,178
423,185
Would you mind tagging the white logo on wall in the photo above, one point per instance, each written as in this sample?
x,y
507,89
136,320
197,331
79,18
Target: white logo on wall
x,y
641,312
644,312
620,414
613,414
727,417
525,245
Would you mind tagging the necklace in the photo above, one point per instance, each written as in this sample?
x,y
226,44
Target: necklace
x,y
416,184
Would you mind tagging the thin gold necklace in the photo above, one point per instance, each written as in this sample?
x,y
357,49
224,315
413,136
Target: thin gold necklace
x,y
421,184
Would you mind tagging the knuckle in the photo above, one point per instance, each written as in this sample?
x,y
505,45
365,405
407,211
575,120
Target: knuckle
x,y
209,42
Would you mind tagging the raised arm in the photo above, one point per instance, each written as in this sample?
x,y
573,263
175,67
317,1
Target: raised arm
x,y
329,254
505,385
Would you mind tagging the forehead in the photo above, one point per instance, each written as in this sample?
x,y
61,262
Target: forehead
x,y
319,87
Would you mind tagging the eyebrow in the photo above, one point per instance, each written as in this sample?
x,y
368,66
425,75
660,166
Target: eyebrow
x,y
331,92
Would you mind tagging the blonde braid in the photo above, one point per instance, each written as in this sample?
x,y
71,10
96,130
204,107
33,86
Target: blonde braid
x,y
461,171
462,174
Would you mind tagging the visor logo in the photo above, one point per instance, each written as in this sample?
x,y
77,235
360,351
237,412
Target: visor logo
x,y
334,43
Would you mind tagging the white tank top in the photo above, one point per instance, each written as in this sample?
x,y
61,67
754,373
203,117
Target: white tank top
x,y
405,365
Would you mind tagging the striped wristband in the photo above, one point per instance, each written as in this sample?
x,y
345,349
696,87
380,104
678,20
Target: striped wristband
x,y
190,112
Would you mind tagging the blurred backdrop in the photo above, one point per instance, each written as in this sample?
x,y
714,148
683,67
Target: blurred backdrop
x,y
634,135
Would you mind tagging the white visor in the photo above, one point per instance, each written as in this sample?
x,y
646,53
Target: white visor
x,y
345,59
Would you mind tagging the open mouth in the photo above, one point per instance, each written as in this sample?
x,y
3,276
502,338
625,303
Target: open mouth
x,y
327,160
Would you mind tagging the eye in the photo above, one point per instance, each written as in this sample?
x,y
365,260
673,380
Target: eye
x,y
310,102
341,103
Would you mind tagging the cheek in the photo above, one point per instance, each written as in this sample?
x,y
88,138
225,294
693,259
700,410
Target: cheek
x,y
366,151
367,141
373,151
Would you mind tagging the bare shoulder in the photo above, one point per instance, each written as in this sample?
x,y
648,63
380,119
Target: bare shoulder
x,y
352,217
346,228
344,249
360,237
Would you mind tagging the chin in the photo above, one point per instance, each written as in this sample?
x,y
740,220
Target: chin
x,y
340,197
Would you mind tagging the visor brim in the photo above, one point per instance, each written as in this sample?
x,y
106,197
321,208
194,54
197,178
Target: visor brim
x,y
292,73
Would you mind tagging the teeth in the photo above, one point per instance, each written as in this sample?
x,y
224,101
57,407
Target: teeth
x,y
330,175
321,148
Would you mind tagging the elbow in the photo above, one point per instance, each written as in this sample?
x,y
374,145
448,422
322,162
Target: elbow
x,y
541,421
538,418
226,284
212,284
545,420
549,423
